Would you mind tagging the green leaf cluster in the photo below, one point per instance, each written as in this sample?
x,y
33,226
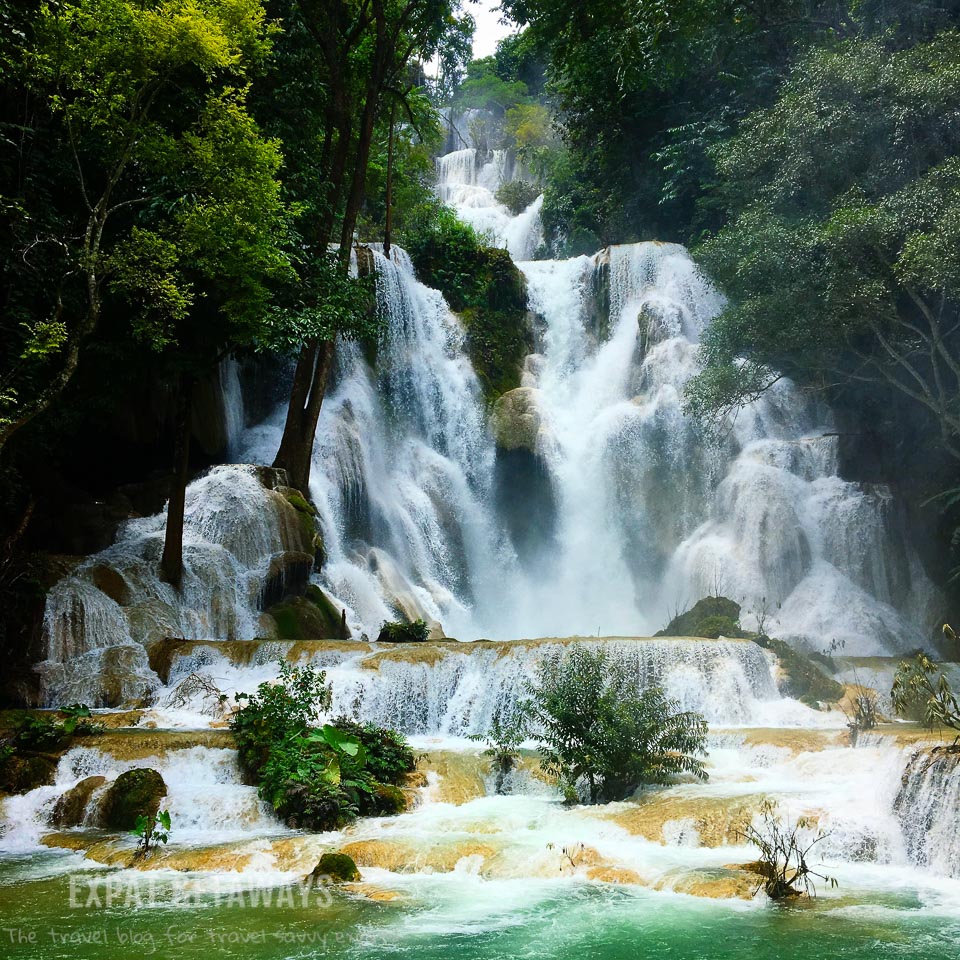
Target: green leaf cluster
x,y
596,725
317,776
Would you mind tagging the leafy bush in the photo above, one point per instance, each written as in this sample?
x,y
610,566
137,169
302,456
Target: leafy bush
x,y
317,777
151,831
916,691
396,631
594,727
23,764
708,617
517,195
503,747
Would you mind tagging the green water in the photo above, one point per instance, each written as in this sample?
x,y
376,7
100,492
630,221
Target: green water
x,y
446,916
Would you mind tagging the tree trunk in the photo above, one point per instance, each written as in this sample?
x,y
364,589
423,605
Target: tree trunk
x,y
306,398
388,224
171,564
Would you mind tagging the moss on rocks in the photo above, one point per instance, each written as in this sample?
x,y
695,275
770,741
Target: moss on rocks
x,y
307,517
803,679
389,799
310,617
23,773
710,617
336,868
486,288
133,794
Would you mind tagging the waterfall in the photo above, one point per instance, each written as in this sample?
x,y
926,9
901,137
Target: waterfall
x,y
468,181
99,619
612,511
456,690
928,808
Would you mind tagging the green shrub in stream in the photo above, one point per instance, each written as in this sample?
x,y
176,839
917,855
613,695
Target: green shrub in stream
x,y
396,631
517,195
316,776
595,728
24,760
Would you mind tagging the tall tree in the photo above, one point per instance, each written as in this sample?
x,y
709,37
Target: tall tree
x,y
140,174
364,49
841,255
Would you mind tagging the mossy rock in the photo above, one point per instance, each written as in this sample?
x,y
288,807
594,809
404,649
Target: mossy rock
x,y
71,808
400,631
133,794
335,868
804,680
715,627
310,617
388,799
311,539
709,618
23,773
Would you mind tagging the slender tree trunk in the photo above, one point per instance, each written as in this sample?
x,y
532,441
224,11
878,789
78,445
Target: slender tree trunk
x,y
171,563
388,224
306,398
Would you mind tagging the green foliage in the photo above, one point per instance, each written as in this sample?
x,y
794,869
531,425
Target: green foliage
x,y
316,776
484,88
503,741
594,726
784,853
804,679
517,195
398,631
152,830
843,205
41,732
484,285
708,617
918,690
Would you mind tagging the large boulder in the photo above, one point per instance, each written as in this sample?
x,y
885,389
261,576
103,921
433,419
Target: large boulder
x,y
133,794
71,808
516,419
710,617
335,868
21,774
313,616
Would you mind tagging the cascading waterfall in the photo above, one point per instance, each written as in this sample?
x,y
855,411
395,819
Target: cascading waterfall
x,y
641,512
928,808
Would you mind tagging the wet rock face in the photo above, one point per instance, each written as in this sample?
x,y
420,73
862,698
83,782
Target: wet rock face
x,y
516,420
22,774
71,808
133,794
288,576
